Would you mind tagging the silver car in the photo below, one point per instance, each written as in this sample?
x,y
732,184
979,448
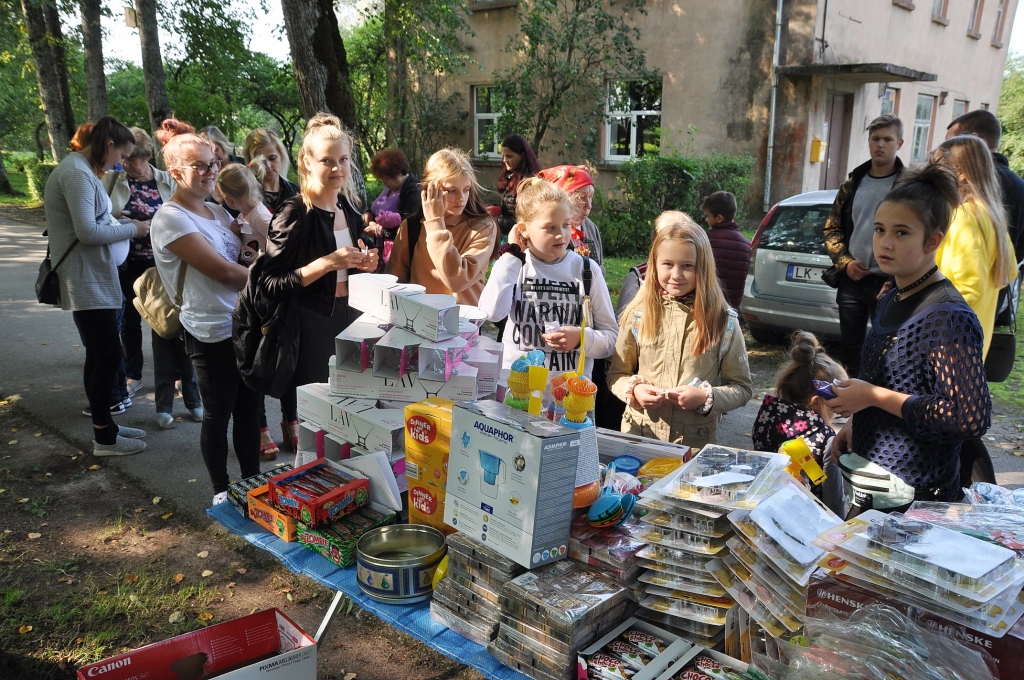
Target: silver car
x,y
784,290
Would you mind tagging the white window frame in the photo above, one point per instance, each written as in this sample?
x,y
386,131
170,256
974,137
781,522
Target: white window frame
x,y
974,18
939,8
956,104
632,115
997,34
919,154
477,117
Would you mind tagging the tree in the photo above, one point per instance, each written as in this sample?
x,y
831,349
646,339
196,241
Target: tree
x,y
46,41
564,54
92,43
319,59
152,63
1011,112
271,88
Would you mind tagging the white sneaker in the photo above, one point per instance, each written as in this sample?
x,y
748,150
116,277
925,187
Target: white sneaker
x,y
197,413
134,386
123,447
222,497
130,432
165,421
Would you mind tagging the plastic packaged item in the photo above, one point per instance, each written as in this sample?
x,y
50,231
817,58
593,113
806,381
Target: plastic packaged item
x,y
677,582
563,595
630,465
460,542
482,635
527,668
704,666
780,608
984,493
679,623
464,601
520,644
656,468
720,475
802,461
683,540
695,611
699,574
674,557
559,640
580,400
795,596
480,570
746,599
1003,525
952,560
792,518
601,666
766,545
685,521
482,589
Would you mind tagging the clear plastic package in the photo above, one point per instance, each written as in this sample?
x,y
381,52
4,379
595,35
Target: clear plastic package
x,y
679,623
746,599
775,603
559,640
615,546
676,582
795,596
951,560
564,595
767,546
793,518
452,596
464,626
525,646
481,589
724,476
683,540
691,610
1000,524
685,520
479,569
482,578
692,573
464,545
527,668
678,558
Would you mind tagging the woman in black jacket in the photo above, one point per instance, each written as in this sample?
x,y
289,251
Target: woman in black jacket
x,y
518,162
276,187
316,241
394,205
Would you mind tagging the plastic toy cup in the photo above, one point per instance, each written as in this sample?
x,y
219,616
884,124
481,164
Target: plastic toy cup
x,y
580,399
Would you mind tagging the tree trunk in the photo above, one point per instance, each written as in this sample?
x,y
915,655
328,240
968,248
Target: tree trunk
x,y
152,64
319,59
398,76
92,41
60,61
5,181
47,76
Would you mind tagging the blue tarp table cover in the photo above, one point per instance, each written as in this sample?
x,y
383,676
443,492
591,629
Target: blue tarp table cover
x,y
413,619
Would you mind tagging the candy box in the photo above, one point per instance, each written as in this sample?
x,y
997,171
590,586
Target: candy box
x,y
462,386
337,541
319,492
357,421
428,431
665,647
700,663
263,512
238,492
266,645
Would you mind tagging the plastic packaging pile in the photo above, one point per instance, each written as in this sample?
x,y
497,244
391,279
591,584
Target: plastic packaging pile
x,y
613,551
466,599
551,613
879,642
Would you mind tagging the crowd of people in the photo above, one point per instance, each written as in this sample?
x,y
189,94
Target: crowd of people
x,y
920,253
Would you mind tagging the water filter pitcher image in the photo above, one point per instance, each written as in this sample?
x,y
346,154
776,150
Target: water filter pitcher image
x,y
493,473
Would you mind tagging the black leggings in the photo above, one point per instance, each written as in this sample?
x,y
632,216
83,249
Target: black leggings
x,y
225,396
98,328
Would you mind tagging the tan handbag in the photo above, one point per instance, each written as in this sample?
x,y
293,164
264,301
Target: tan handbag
x,y
154,305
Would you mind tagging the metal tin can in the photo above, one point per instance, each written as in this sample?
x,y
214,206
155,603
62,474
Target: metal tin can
x,y
395,564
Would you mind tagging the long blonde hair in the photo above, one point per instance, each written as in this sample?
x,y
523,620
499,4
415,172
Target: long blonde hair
x,y
710,310
327,127
968,156
447,164
243,183
259,139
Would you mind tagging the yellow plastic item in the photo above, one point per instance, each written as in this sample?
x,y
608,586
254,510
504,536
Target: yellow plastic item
x,y
440,572
803,460
656,468
538,381
519,383
580,399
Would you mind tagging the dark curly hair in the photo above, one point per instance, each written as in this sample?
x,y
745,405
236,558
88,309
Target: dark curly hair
x,y
389,163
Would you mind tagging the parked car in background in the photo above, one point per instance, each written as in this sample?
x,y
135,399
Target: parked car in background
x,y
784,291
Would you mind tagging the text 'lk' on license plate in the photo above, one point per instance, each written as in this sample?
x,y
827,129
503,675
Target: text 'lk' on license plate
x,y
799,272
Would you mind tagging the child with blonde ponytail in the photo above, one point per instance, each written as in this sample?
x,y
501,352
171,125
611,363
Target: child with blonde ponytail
x,y
240,188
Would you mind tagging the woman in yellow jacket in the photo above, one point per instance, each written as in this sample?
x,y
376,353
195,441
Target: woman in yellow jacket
x,y
976,254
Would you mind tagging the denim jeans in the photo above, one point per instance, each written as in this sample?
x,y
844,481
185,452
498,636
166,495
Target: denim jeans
x,y
856,301
225,396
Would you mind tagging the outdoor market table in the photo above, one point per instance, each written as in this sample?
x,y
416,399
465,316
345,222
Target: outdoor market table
x,y
413,619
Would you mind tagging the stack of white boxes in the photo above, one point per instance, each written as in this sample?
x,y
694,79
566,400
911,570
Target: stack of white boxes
x,y
406,347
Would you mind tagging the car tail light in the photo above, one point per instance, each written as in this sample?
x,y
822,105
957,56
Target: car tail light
x,y
757,239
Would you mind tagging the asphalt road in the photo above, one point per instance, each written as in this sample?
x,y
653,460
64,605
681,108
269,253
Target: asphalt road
x,y
41,365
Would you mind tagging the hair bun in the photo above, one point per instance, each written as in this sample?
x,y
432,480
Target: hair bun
x,y
172,127
804,347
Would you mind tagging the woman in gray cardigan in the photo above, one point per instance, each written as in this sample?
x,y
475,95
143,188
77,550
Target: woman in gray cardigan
x,y
78,222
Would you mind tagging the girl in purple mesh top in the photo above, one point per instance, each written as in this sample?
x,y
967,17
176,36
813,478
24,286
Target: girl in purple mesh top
x,y
922,391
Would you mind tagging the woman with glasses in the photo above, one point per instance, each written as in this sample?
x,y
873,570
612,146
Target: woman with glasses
x,y
193,238
136,192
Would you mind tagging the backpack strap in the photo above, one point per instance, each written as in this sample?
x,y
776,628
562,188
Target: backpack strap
x,y
588,276
635,326
413,227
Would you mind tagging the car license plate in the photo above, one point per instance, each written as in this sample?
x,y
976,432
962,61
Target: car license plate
x,y
803,274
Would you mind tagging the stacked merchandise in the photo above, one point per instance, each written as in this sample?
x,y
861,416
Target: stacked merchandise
x,y
466,600
428,434
238,493
948,559
612,551
688,530
549,614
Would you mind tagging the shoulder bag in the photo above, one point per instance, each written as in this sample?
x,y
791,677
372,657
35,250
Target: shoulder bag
x,y
154,305
47,283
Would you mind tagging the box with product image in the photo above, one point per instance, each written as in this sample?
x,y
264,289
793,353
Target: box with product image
x,y
238,492
510,481
661,648
374,294
487,362
428,431
396,354
266,645
357,421
701,662
263,512
409,388
433,317
319,492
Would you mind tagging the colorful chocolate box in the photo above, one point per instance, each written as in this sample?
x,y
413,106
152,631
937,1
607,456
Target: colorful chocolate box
x,y
319,492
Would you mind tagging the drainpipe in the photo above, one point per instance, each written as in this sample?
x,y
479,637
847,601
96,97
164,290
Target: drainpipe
x,y
771,110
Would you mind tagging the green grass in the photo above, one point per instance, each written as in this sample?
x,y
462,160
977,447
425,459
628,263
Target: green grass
x,y
20,184
1009,394
615,270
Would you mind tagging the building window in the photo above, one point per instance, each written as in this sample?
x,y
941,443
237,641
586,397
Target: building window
x,y
890,102
997,36
905,4
922,139
633,125
939,8
974,20
984,106
960,107
486,112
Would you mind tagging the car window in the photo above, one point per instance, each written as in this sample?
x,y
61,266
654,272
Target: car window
x,y
797,229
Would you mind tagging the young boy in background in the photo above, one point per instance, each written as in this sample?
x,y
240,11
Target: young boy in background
x,y
730,247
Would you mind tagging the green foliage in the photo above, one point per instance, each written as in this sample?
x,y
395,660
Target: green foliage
x,y
563,55
126,93
20,112
649,185
37,174
1011,112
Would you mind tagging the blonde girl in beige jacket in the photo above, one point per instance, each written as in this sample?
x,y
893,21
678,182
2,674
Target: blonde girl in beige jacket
x,y
680,361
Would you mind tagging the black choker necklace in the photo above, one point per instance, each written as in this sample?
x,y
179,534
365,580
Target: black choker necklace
x,y
915,284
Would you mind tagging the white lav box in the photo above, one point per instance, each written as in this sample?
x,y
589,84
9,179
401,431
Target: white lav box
x,y
488,366
396,354
410,388
510,481
357,421
354,346
375,293
434,317
440,360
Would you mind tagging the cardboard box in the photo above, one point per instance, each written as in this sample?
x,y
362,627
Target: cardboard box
x,y
357,421
675,647
440,360
266,645
319,509
263,512
612,444
433,317
375,294
238,492
488,367
396,354
337,541
1004,656
675,670
354,346
510,481
428,432
410,388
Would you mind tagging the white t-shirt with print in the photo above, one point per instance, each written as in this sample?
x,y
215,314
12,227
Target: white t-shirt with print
x,y
206,304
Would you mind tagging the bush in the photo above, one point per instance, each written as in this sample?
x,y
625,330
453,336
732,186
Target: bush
x,y
16,161
647,186
37,174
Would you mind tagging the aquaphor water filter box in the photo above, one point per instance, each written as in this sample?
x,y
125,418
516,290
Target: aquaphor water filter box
x,y
510,481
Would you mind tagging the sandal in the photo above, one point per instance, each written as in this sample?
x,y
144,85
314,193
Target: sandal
x,y
290,432
268,449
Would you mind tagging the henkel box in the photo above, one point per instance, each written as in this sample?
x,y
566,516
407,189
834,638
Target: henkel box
x,y
263,512
510,481
266,645
428,432
238,492
357,421
1004,656
410,388
311,506
434,317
